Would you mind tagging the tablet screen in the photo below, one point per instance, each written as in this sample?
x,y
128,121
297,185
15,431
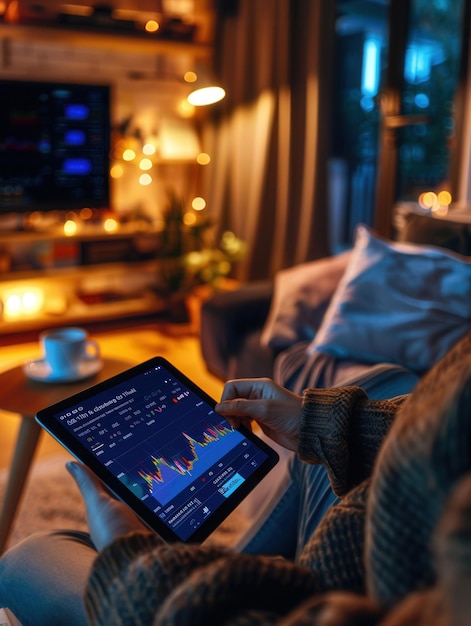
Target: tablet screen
x,y
154,438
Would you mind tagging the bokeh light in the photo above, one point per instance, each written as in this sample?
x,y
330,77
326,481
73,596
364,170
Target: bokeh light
x,y
444,197
145,179
24,301
198,203
186,109
110,225
70,228
116,171
203,158
190,77
86,213
189,219
436,203
149,149
129,155
145,164
152,26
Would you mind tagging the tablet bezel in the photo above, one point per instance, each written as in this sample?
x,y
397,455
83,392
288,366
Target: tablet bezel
x,y
47,420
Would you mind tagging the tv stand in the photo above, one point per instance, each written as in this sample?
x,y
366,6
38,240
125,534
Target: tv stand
x,y
50,279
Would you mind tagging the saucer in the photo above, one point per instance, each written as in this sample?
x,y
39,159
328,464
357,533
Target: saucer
x,y
40,370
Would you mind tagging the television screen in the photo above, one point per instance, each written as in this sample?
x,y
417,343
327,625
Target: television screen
x,y
54,146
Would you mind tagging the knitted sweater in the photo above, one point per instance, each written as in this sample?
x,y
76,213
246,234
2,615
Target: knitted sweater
x,y
341,578
133,577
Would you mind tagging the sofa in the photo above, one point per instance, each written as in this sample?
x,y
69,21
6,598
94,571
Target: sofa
x,y
381,313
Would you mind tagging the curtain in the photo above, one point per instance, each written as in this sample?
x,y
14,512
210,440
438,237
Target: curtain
x,y
268,140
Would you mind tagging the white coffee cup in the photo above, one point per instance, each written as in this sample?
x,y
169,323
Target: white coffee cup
x,y
64,349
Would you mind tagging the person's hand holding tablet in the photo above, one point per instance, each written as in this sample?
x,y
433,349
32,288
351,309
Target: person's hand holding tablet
x,y
107,517
156,442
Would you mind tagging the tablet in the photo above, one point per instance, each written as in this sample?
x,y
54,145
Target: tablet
x,y
152,436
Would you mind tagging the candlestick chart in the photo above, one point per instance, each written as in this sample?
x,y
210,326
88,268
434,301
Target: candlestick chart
x,y
184,460
191,452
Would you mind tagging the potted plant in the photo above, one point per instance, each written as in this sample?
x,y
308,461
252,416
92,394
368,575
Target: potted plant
x,y
189,256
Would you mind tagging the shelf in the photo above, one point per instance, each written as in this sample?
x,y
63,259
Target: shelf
x,y
89,233
78,271
82,295
37,254
103,40
146,306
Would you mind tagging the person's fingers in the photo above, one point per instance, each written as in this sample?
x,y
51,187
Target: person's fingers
x,y
236,420
245,388
242,407
89,485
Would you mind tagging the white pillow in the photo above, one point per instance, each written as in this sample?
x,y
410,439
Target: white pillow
x,y
397,302
301,295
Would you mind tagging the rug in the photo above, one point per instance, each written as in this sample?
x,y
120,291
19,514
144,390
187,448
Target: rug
x,y
51,500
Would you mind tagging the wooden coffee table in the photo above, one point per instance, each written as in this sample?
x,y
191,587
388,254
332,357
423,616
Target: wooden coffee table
x,y
25,397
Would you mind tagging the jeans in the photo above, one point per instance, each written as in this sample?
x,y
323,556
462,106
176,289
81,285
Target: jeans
x,y
297,505
42,579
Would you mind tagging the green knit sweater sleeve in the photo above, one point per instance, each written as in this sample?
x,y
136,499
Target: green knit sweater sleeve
x,y
342,429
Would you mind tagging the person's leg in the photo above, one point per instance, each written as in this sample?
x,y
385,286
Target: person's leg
x,y
293,512
315,499
279,511
42,579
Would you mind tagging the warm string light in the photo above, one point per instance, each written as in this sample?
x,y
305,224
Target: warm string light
x,y
190,77
145,180
152,26
145,164
436,203
70,227
198,203
116,171
127,151
22,302
189,219
130,155
149,149
144,153
110,225
203,158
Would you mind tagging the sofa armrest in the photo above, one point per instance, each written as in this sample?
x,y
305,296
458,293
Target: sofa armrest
x,y
227,318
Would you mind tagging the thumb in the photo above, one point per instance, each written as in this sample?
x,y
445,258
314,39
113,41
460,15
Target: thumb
x,y
89,485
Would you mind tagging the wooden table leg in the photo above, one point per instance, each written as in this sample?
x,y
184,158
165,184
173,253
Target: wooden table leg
x,y
26,443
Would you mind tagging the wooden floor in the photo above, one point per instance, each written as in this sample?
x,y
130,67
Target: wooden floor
x,y
175,342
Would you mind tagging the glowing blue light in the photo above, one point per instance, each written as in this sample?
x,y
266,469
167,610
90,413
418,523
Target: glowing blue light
x,y
367,103
370,69
422,100
75,137
77,167
76,111
418,64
